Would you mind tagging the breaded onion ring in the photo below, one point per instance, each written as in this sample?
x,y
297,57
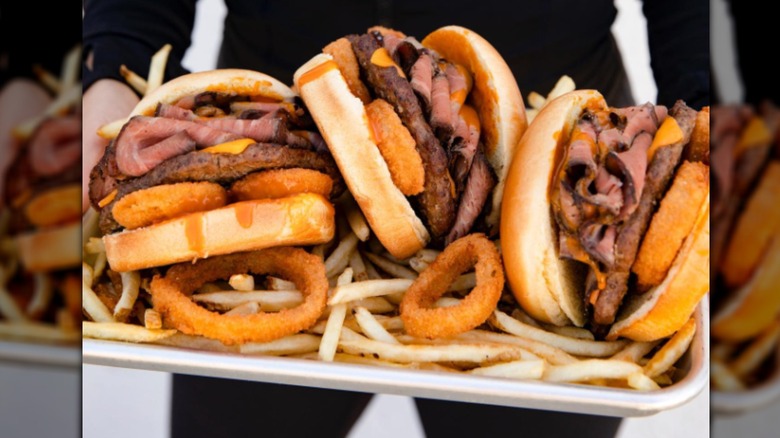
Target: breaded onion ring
x,y
156,204
171,295
397,147
281,183
418,313
341,51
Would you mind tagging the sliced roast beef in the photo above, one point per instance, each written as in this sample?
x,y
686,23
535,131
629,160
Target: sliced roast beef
x,y
632,165
480,183
422,76
441,110
659,174
437,200
224,169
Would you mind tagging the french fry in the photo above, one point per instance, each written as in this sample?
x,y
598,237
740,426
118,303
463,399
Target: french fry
x,y
554,356
390,267
356,220
372,328
42,294
90,301
293,344
590,369
152,319
37,330
157,68
641,382
579,347
249,308
137,82
64,101
376,305
358,266
536,100
99,267
276,283
530,114
110,130
417,264
89,225
119,331
672,350
339,258
634,351
663,380
242,282
269,301
520,315
757,352
366,289
464,282
447,302
131,285
181,340
353,343
330,336
523,369
564,85
723,351
571,332
94,245
722,378
373,274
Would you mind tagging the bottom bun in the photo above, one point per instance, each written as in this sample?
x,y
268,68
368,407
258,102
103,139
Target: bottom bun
x,y
660,312
305,219
50,249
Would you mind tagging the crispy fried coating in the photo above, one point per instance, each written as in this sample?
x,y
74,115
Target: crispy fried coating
x,y
156,204
698,149
397,147
281,183
672,223
341,51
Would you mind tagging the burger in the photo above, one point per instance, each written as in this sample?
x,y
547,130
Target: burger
x,y
213,163
422,132
605,220
42,209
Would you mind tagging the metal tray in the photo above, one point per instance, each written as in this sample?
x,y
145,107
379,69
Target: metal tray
x,y
428,384
64,356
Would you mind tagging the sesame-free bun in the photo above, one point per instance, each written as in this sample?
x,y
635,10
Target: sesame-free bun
x,y
550,288
50,249
344,124
305,219
244,82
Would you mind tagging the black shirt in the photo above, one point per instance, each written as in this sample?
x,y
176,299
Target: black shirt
x,y
540,39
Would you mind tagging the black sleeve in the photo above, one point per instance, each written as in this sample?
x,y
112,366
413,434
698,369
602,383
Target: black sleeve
x,y
19,51
754,27
679,36
129,32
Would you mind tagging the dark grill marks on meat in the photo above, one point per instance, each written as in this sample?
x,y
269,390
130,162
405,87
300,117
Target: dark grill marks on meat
x,y
480,183
606,191
437,201
659,173
224,169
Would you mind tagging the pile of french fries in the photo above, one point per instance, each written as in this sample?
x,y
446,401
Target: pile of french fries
x,y
17,322
736,366
362,325
564,85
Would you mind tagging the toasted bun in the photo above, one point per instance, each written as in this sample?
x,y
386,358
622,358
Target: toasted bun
x,y
304,219
343,122
244,82
50,249
666,308
545,286
495,96
550,288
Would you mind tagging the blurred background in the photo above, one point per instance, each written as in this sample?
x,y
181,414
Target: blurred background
x,y
109,393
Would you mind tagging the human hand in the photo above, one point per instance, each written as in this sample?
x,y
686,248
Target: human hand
x,y
105,101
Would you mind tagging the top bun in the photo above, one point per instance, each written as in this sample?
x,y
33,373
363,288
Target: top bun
x,y
495,96
245,82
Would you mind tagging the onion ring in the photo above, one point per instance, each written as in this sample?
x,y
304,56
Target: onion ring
x,y
171,295
281,183
418,313
156,204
